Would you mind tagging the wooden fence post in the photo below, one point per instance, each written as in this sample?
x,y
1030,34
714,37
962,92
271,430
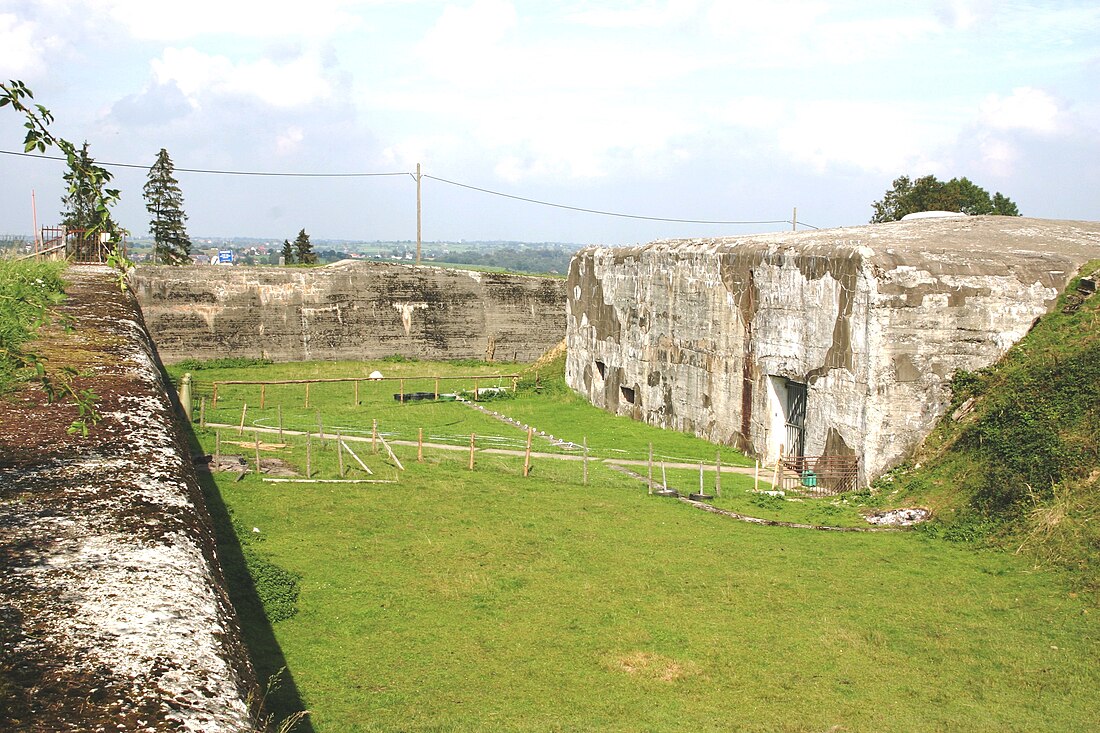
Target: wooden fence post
x,y
320,429
718,473
214,402
471,451
257,446
649,483
307,395
217,446
244,409
586,460
356,393
202,412
437,388
527,456
281,440
339,454
475,390
263,395
309,454
374,437
420,445
401,390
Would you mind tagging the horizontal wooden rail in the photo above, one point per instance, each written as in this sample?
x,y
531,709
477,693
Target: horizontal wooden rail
x,y
356,379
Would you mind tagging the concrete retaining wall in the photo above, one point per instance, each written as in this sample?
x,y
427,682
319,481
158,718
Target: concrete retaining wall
x,y
113,609
349,310
715,336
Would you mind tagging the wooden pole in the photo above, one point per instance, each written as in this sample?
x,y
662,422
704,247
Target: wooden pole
x,y
340,454
471,451
202,412
374,437
309,454
649,483
475,390
794,220
401,389
437,388
358,459
257,445
307,395
718,473
356,393
393,456
217,446
527,456
756,477
700,478
244,409
214,404
515,383
320,429
664,478
418,207
420,445
263,394
585,442
281,440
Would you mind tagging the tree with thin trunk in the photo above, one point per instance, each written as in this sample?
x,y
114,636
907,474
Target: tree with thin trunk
x,y
304,249
79,200
164,202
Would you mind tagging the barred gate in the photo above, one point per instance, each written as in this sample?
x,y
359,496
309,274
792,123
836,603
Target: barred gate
x,y
819,475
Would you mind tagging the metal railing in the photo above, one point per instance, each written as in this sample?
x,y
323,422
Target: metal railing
x,y
819,475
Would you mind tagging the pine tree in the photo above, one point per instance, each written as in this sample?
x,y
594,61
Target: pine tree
x,y
288,252
305,249
80,201
164,202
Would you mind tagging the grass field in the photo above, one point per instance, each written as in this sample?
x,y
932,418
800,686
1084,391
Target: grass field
x,y
460,600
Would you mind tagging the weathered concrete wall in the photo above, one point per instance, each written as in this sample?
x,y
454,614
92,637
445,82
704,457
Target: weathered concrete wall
x,y
703,335
113,610
348,310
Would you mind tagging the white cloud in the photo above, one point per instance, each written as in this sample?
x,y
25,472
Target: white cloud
x,y
1028,109
168,21
647,14
464,45
876,136
289,141
198,75
24,46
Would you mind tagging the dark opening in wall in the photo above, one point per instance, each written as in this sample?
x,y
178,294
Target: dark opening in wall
x,y
602,369
628,394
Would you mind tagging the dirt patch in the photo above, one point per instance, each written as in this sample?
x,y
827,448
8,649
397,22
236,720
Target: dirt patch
x,y
647,665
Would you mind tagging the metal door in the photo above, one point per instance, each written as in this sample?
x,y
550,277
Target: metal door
x,y
796,419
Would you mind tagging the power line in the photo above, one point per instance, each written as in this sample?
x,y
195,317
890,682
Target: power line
x,y
598,212
220,172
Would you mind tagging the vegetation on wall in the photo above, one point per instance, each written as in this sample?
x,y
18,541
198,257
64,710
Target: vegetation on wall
x,y
1017,459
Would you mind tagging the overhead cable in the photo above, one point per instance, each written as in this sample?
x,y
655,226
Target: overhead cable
x,y
488,191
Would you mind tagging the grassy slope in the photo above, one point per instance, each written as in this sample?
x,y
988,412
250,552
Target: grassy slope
x,y
482,601
461,600
1022,470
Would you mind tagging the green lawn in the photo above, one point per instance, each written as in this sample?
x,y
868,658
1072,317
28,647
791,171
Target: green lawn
x,y
469,601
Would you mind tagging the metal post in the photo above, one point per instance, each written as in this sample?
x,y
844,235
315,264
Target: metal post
x,y
418,210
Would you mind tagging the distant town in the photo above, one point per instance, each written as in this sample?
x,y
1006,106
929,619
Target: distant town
x,y
544,258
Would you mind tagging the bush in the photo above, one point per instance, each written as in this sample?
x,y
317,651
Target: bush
x,y
28,293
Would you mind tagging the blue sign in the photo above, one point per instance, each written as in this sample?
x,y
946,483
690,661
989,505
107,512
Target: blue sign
x,y
225,255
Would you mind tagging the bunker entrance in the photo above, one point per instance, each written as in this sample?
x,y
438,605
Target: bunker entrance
x,y
787,436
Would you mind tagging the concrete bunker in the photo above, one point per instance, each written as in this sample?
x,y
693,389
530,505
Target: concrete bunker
x,y
837,342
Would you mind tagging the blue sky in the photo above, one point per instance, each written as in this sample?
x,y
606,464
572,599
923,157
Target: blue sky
x,y
680,109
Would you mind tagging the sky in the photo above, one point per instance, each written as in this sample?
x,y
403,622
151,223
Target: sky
x,y
722,111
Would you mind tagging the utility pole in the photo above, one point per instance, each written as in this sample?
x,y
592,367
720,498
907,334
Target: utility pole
x,y
418,213
794,220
